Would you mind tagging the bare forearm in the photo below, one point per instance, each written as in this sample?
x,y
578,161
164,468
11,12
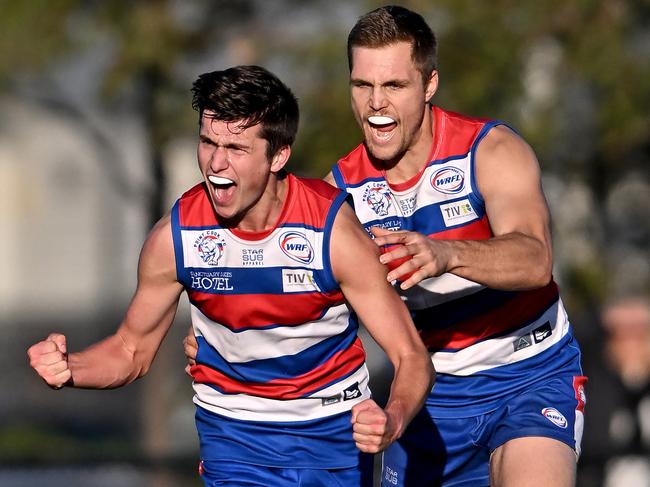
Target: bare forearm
x,y
105,365
513,261
413,379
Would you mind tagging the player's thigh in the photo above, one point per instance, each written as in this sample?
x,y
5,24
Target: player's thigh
x,y
533,462
537,433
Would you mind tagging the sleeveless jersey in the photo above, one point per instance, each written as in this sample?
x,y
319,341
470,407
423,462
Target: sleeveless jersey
x,y
278,346
484,342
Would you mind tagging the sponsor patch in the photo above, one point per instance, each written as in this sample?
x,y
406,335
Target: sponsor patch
x,y
457,212
351,392
391,476
378,197
211,281
543,332
331,400
448,180
209,245
407,205
555,417
252,257
296,246
298,280
522,342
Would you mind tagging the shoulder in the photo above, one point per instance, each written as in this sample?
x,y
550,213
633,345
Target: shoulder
x,y
320,187
503,151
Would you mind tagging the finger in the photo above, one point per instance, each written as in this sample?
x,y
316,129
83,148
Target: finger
x,y
51,358
385,237
414,278
379,231
59,340
59,380
404,271
53,370
390,253
370,445
41,348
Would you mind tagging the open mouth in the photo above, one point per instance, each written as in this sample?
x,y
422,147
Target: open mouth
x,y
219,181
382,127
223,187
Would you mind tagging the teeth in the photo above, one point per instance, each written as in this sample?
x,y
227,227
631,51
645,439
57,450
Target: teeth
x,y
219,180
380,120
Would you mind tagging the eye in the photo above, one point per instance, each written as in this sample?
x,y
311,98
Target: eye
x,y
238,150
359,84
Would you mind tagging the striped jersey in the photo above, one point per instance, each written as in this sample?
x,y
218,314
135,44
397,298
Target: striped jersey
x,y
484,342
278,346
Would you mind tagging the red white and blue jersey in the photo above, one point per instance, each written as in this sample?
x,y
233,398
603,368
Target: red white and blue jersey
x,y
484,342
278,346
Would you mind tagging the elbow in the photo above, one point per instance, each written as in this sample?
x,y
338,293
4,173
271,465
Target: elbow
x,y
544,272
540,270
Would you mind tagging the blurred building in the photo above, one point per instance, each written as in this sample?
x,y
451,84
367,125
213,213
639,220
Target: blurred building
x,y
75,191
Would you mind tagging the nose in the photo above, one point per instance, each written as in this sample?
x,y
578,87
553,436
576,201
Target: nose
x,y
219,159
377,99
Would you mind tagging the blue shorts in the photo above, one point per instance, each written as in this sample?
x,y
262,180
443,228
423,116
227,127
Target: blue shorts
x,y
456,451
236,474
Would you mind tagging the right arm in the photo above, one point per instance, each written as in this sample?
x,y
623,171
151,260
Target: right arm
x,y
356,266
127,354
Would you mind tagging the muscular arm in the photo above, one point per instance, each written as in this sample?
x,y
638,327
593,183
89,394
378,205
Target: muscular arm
x,y
356,266
126,355
519,255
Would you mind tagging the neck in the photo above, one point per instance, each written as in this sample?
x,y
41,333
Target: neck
x,y
413,160
263,216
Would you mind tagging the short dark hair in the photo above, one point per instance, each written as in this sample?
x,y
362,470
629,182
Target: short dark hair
x,y
392,24
253,95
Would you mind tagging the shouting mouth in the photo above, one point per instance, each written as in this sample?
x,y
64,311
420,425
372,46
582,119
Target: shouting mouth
x,y
382,127
223,188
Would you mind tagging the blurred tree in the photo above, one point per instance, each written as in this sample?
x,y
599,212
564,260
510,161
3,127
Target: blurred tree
x,y
572,77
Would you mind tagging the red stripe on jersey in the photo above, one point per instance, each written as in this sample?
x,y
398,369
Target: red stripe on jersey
x,y
243,311
521,310
195,205
339,365
356,167
477,230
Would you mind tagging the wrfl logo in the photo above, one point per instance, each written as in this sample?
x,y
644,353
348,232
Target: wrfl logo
x,y
296,246
448,180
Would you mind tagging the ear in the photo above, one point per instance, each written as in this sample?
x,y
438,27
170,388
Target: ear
x,y
432,86
280,159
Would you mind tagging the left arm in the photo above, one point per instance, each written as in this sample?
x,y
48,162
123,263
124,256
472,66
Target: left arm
x,y
363,281
519,256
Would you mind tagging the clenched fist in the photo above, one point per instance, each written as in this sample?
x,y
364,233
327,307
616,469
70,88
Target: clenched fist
x,y
49,358
372,429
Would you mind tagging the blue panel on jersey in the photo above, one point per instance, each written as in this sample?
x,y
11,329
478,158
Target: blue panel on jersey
x,y
253,280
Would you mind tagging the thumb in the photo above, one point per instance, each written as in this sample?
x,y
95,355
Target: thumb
x,y
59,340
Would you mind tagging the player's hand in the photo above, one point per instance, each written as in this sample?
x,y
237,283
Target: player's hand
x,y
49,358
191,348
411,256
372,429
